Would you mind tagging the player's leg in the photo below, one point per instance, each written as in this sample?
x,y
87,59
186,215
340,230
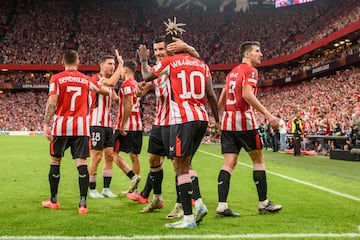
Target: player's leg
x,y
252,144
181,148
153,148
54,178
223,210
98,138
96,156
177,211
182,166
156,176
135,149
198,127
108,172
108,163
122,164
230,147
80,151
57,149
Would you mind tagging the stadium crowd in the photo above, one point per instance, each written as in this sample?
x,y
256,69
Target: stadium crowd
x,y
38,33
328,99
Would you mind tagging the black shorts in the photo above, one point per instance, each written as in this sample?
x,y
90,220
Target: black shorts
x,y
159,140
101,137
132,142
185,138
233,141
79,146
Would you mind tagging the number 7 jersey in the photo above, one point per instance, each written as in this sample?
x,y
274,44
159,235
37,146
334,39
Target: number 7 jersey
x,y
72,116
187,77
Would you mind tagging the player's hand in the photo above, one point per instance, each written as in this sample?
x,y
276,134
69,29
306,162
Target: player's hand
x,y
139,89
119,57
177,46
274,122
218,128
47,132
143,52
123,132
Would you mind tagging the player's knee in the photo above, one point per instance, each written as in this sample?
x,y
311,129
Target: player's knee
x,y
83,171
154,160
55,161
96,156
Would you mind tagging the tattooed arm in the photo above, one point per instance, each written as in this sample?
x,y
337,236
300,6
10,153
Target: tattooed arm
x,y
49,113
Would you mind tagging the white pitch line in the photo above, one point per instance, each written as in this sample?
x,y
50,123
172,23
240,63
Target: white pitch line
x,y
179,236
293,179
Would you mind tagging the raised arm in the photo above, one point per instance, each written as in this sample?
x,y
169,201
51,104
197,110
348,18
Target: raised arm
x,y
117,74
145,68
180,46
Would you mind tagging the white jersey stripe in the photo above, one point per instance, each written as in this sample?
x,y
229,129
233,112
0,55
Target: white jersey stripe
x,y
69,126
58,125
238,120
189,114
80,122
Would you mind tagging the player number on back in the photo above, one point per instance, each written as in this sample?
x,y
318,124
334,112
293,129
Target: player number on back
x,y
231,99
77,93
195,77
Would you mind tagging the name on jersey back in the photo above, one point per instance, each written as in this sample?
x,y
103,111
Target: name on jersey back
x,y
73,79
178,63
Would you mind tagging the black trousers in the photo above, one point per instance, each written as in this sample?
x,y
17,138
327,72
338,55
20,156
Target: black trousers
x,y
297,144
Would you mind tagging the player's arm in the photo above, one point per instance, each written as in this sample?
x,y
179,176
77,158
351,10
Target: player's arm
x,y
249,97
111,82
222,99
49,113
127,110
142,88
211,97
146,72
115,97
180,46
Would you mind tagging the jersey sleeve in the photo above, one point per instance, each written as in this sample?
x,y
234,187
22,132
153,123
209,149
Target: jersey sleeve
x,y
93,84
127,88
160,67
53,86
251,77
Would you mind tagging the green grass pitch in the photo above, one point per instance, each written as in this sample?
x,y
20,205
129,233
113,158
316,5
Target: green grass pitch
x,y
321,198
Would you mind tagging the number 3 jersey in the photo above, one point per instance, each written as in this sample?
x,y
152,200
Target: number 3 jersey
x,y
72,111
187,77
238,115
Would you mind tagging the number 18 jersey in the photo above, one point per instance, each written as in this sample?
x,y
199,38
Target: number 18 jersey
x,y
187,76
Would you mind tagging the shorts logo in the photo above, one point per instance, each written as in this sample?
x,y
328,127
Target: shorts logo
x,y
171,148
94,143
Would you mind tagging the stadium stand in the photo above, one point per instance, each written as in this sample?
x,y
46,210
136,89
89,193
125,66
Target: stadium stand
x,y
35,33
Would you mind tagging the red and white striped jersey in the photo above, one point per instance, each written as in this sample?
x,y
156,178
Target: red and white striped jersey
x,y
100,105
238,114
187,76
134,123
72,111
162,90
